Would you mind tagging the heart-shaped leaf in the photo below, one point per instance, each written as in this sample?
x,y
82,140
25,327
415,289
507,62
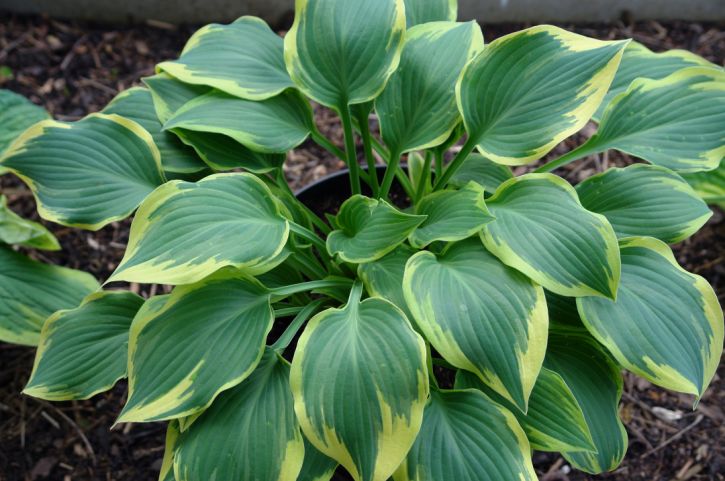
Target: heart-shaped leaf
x,y
467,437
88,173
227,315
645,200
659,300
384,277
170,94
424,11
480,315
675,122
317,466
554,420
542,230
274,125
249,433
452,215
185,231
83,351
368,229
342,52
596,382
477,168
640,62
244,58
136,104
360,384
417,109
32,291
560,80
16,230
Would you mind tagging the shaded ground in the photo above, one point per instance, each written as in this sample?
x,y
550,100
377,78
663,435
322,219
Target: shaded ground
x,y
73,69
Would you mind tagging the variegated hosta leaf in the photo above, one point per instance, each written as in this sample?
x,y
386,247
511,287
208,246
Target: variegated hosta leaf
x,y
244,58
167,463
169,94
317,466
452,215
341,52
666,325
16,230
562,311
83,351
384,277
217,150
481,315
360,383
368,229
482,171
417,109
424,11
274,125
185,231
417,170
710,185
554,420
32,291
596,382
640,62
228,317
136,104
645,200
676,122
249,433
541,229
467,437
508,119
16,114
88,173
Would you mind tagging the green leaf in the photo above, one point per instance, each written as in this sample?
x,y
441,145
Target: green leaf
x,y
206,338
666,325
88,173
244,58
342,52
136,104
710,185
275,125
368,229
16,230
640,62
562,311
529,90
424,11
480,315
554,420
32,291
452,215
360,384
542,230
16,114
167,463
83,351
249,433
596,382
467,437
384,277
317,466
417,110
169,94
675,122
185,231
645,200
482,171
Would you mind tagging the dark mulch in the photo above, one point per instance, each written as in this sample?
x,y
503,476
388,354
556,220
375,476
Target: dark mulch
x,y
73,69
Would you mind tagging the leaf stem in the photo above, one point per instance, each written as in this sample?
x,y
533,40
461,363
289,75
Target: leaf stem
x,y
287,311
424,177
325,143
587,148
439,163
455,164
390,170
399,172
303,315
352,163
285,291
313,238
314,218
364,126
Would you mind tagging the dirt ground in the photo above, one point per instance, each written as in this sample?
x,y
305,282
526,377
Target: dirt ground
x,y
74,69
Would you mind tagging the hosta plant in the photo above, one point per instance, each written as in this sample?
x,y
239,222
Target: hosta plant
x,y
440,333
